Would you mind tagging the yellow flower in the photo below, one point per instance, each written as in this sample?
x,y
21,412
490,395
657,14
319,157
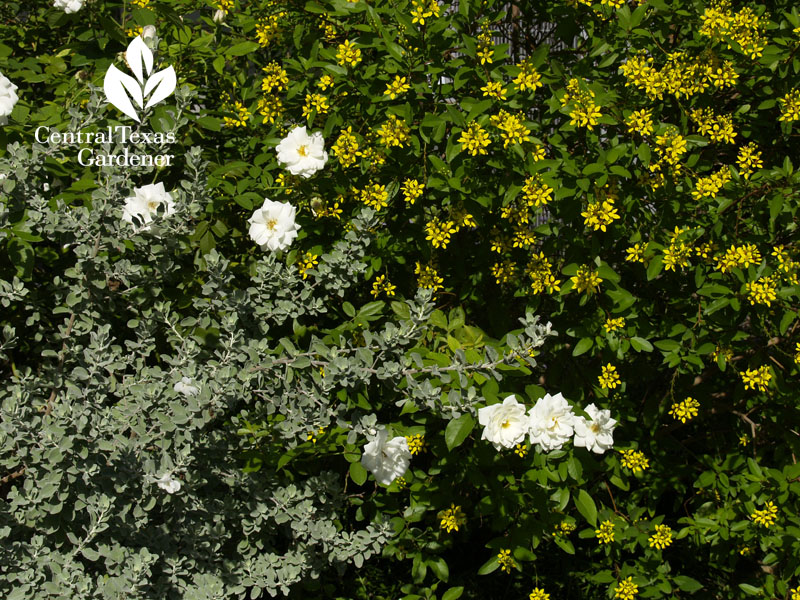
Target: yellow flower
x,y
439,232
394,132
423,9
416,443
140,3
599,215
634,460
757,378
381,284
536,192
641,122
528,77
605,534
512,128
412,189
521,450
325,82
275,78
308,261
268,29
375,196
586,280
614,324
790,107
494,89
685,410
609,379
539,594
749,160
452,518
661,538
474,139
396,87
315,103
345,148
762,290
348,54
506,562
241,118
626,589
766,516
428,277
796,591
271,108
635,253
738,257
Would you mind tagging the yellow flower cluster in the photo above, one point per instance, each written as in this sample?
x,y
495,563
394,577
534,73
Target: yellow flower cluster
x,y
521,450
394,132
424,9
609,378
670,146
485,48
523,237
749,160
766,516
538,594
241,115
348,54
511,127
345,148
584,110
325,82
708,187
439,232
224,5
605,534
308,261
790,107
586,280
428,278
271,108
744,27
412,189
379,286
787,266
505,561
536,192
275,79
140,3
268,29
640,121
540,272
133,32
313,435
762,290
504,271
757,378
528,77
685,410
315,102
374,195
796,591
680,76
612,325
718,127
635,253
738,256
634,460
325,209
626,589
397,87
416,443
566,527
474,139
452,518
677,253
494,89
599,215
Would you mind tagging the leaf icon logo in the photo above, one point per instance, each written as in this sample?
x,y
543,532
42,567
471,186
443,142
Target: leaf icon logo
x,y
128,93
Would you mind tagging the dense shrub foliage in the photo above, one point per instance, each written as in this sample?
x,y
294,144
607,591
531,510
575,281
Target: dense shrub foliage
x,y
515,315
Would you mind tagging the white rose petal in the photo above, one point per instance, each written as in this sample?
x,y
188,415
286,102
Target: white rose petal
x,y
302,154
505,425
595,434
68,6
8,98
168,483
185,387
386,459
145,203
551,422
272,226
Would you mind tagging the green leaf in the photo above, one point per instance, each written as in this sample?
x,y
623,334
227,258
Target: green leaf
x,y
585,505
582,346
640,344
242,48
453,593
750,590
457,430
358,473
687,584
490,566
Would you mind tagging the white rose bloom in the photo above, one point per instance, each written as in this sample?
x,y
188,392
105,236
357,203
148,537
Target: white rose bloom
x,y
8,98
505,425
272,226
301,153
595,434
145,203
386,459
169,484
185,387
551,422
68,6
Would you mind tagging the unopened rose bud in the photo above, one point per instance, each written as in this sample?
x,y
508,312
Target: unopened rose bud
x,y
219,16
149,36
